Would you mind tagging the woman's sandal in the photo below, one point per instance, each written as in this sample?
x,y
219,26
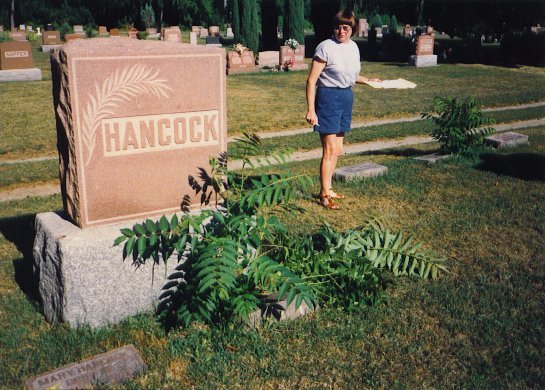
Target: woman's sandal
x,y
327,202
334,195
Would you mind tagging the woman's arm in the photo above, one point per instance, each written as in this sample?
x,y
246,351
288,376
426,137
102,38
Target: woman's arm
x,y
363,80
317,68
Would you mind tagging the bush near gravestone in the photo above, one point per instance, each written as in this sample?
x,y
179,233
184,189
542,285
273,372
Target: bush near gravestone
x,y
524,48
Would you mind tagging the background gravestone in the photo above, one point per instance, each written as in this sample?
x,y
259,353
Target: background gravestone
x,y
50,40
240,62
424,52
297,56
18,35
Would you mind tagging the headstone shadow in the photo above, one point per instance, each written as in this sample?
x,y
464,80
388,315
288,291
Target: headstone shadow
x,y
405,152
525,166
20,231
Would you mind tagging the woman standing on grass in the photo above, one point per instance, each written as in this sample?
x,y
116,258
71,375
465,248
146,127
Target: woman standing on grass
x,y
335,69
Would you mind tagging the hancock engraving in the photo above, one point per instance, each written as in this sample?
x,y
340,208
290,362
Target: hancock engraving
x,y
123,85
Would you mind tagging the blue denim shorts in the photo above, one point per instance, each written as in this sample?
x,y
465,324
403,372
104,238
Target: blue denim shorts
x,y
334,109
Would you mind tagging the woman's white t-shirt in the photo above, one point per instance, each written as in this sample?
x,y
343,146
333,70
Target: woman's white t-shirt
x,y
342,63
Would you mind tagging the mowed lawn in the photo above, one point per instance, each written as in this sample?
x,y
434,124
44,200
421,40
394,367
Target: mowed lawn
x,y
276,101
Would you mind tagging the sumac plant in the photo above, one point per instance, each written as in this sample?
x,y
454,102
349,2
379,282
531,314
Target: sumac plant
x,y
235,253
460,127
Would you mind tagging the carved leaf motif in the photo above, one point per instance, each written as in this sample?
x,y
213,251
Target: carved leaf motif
x,y
121,86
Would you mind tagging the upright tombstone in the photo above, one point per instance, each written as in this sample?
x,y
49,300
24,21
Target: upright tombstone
x,y
16,62
131,128
172,34
18,35
203,32
196,29
214,31
72,37
229,33
424,52
240,62
268,59
1,28
51,40
103,31
114,32
152,33
78,29
296,57
213,41
192,38
363,28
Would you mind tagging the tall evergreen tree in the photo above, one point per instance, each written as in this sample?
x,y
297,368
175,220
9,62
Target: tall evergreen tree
x,y
269,24
249,26
294,20
322,13
235,21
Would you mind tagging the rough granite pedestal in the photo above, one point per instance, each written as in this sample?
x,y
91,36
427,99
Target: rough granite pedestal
x,y
423,60
83,278
30,74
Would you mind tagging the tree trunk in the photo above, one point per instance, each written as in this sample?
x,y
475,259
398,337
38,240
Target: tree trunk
x,y
269,25
12,17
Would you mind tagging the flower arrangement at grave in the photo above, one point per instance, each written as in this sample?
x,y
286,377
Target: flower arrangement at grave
x,y
292,44
240,48
288,64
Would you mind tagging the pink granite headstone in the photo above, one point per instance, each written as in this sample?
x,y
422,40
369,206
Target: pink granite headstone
x,y
172,34
240,62
424,45
134,119
297,57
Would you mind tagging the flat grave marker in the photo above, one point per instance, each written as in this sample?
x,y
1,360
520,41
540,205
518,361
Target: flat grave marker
x,y
432,158
508,139
359,171
110,368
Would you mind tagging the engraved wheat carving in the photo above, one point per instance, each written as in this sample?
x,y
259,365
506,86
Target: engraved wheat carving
x,y
122,85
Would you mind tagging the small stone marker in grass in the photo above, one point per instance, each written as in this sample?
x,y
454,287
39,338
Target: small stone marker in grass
x,y
432,158
110,368
278,310
359,171
508,139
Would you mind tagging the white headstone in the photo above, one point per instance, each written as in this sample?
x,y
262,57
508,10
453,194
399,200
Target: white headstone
x,y
193,38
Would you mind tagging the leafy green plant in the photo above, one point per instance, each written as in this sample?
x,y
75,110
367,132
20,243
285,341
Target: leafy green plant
x,y
460,127
226,268
235,254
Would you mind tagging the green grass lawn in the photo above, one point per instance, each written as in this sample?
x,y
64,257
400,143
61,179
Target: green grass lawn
x,y
276,101
480,326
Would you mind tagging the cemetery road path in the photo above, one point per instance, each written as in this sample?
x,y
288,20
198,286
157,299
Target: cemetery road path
x,y
51,189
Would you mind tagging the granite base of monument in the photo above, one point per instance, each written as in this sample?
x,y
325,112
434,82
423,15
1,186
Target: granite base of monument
x,y
49,48
423,60
30,74
82,278
359,171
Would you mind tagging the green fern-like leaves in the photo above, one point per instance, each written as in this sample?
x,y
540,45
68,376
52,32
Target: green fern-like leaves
x,y
460,127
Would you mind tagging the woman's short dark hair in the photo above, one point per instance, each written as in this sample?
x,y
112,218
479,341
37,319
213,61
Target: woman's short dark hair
x,y
346,16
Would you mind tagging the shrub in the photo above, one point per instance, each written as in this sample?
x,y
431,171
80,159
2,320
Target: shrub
x,y
393,26
376,21
459,125
234,256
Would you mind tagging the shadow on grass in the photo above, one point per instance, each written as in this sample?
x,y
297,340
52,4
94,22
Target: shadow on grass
x,y
20,231
406,152
525,166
